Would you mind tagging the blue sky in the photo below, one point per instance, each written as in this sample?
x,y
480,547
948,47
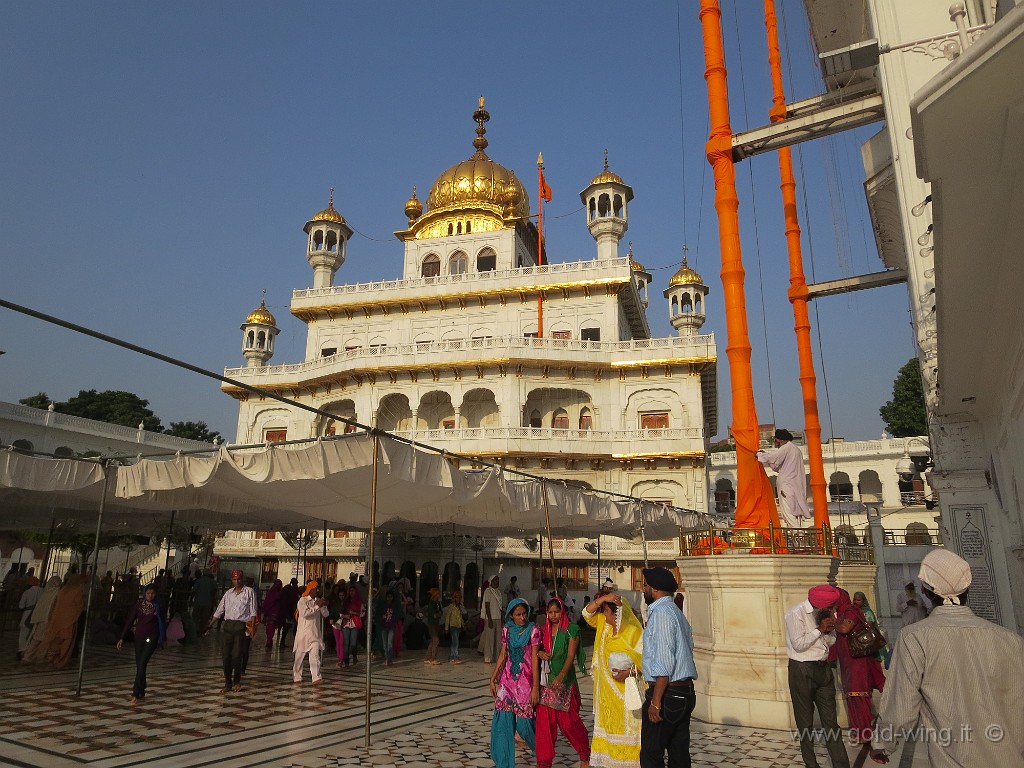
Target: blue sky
x,y
159,162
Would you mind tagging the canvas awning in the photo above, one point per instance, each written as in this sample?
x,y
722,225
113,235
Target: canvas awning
x,y
277,487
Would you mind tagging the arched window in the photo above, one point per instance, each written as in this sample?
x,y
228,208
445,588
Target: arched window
x,y
458,263
431,266
261,340
586,419
675,306
687,304
469,227
451,230
251,337
535,418
23,446
618,206
591,209
603,205
560,419
839,487
486,260
698,304
332,241
318,240
63,452
917,533
725,497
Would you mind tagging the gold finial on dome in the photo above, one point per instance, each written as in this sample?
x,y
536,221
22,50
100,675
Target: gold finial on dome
x,y
685,275
606,175
328,213
413,207
634,265
481,116
261,315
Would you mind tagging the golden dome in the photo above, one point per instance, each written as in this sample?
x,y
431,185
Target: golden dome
x,y
606,176
685,276
634,265
413,207
261,316
479,182
328,213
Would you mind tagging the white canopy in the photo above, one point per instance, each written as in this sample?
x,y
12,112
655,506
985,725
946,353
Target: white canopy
x,y
310,484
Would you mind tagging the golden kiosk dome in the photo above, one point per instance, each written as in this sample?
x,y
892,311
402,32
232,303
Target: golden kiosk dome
x,y
328,213
606,175
261,316
685,276
479,182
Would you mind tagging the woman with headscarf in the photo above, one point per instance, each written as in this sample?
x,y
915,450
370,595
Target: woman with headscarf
x,y
27,604
309,633
272,611
860,675
336,615
146,622
352,622
61,629
515,684
618,647
432,616
39,618
560,703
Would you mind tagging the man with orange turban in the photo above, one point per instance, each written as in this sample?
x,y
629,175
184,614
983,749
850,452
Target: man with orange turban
x,y
309,634
237,607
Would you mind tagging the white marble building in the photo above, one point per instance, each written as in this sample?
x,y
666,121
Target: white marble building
x,y
454,352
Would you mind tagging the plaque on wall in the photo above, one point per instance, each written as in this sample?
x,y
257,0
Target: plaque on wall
x,y
971,536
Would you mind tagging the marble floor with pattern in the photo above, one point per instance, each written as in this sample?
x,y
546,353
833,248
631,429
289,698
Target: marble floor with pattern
x,y
422,716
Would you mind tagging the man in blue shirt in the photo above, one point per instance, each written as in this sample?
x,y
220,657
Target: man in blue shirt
x,y
669,671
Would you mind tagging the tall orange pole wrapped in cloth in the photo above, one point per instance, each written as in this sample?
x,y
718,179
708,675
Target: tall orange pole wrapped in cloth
x,y
543,195
755,501
797,282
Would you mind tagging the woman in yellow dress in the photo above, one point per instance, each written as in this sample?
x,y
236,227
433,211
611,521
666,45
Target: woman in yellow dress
x,y
617,647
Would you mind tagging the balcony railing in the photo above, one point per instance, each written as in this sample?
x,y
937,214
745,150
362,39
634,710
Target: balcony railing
x,y
634,350
376,288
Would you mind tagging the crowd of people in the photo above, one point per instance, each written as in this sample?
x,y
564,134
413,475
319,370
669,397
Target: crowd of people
x,y
643,678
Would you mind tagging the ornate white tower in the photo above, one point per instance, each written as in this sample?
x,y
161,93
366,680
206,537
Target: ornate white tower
x,y
258,332
686,293
607,218
641,276
325,249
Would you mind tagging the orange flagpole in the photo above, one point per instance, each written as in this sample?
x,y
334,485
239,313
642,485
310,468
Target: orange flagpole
x,y
797,282
755,502
540,240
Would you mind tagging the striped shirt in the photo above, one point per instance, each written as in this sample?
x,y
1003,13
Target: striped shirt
x,y
956,684
668,643
237,606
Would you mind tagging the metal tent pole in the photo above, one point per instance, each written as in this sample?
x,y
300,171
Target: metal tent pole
x,y
95,561
369,591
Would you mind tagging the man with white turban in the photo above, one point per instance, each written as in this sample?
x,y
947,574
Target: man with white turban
x,y
956,681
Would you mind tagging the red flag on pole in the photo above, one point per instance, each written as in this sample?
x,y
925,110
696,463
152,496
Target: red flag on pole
x,y
545,190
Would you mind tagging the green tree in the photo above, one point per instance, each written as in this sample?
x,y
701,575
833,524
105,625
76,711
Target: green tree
x,y
192,430
113,407
905,414
41,401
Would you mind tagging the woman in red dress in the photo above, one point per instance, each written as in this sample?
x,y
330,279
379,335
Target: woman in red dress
x,y
860,675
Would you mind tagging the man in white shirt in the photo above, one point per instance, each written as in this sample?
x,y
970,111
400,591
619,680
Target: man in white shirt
x,y
237,607
491,614
788,461
810,633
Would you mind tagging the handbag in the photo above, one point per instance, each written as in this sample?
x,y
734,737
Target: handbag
x,y
556,696
866,641
636,687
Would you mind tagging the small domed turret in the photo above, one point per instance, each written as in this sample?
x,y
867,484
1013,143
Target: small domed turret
x,y
606,199
686,293
258,332
325,248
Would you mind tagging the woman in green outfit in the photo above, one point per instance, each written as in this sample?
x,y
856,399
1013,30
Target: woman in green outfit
x,y
560,703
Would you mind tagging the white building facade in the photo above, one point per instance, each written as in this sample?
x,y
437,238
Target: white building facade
x,y
485,347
